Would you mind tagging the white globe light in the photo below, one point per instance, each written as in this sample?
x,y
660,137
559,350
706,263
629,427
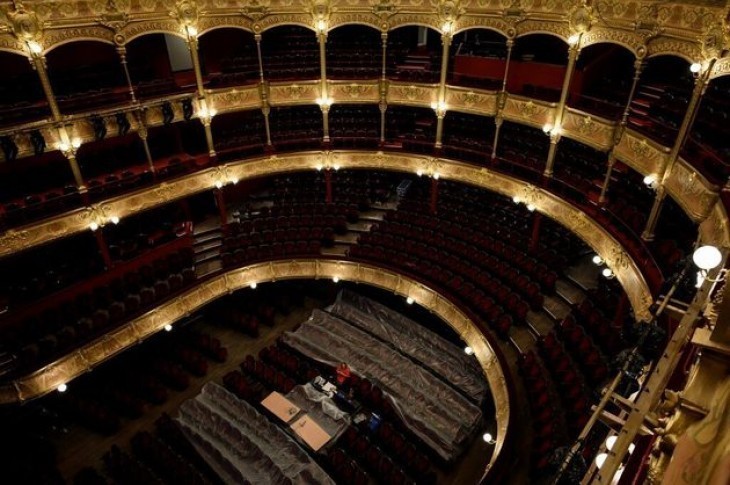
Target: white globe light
x,y
168,328
597,260
600,459
487,437
468,350
607,272
695,67
336,279
409,300
649,180
253,285
631,448
610,442
707,257
62,388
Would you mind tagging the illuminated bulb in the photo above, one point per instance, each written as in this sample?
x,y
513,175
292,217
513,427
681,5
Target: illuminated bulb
x,y
336,167
409,300
597,260
446,28
63,146
192,31
650,180
546,128
631,448
62,388
218,184
701,276
253,285
419,172
76,142
336,279
468,350
35,47
607,272
168,328
573,39
319,168
114,219
610,442
234,181
94,226
695,67
436,175
487,437
516,199
600,459
530,207
707,257
321,25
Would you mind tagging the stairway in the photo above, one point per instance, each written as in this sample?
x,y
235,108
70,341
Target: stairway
x,y
207,244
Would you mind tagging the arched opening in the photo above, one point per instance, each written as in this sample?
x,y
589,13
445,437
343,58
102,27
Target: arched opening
x,y
477,59
538,65
602,80
661,98
86,75
354,52
159,64
228,57
290,52
413,53
21,94
708,146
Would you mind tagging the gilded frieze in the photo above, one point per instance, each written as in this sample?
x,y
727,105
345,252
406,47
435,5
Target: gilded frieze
x,y
715,228
293,94
235,99
354,92
692,191
473,101
412,94
588,129
641,154
527,111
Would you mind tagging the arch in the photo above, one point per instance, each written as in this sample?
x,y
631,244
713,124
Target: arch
x,y
680,55
224,26
361,24
271,26
481,27
48,49
175,32
94,353
522,35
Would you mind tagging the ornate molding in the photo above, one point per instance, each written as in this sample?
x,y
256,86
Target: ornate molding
x,y
421,95
471,101
87,357
354,92
692,191
305,92
528,111
588,129
644,156
235,99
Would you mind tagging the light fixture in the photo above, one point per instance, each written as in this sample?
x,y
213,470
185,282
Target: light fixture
x,y
600,459
516,199
597,260
76,142
488,438
218,184
63,147
440,108
707,257
168,328
234,180
35,47
321,26
94,226
651,181
530,207
62,388
253,285
695,67
419,172
191,30
573,39
319,167
610,442
114,220
324,102
409,300
336,167
447,27
607,273
336,279
436,175
547,128
468,350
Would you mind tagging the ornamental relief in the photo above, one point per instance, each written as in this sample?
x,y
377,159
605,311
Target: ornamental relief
x,y
55,37
414,95
530,112
592,131
356,92
363,18
208,23
235,99
690,50
715,228
690,190
721,68
631,40
482,103
291,94
643,156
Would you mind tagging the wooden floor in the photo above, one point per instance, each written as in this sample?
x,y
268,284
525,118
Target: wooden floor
x,y
79,447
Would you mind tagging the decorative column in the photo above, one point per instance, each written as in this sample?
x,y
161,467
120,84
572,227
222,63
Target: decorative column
x,y
38,62
502,98
621,127
440,105
122,51
142,133
323,101
68,147
205,113
573,51
263,92
701,83
383,88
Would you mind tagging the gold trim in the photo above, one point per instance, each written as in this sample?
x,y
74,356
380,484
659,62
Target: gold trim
x,y
94,353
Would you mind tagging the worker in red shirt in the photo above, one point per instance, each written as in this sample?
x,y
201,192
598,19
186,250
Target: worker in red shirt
x,y
343,375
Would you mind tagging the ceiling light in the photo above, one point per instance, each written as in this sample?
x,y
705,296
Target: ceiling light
x,y
409,300
597,260
35,47
516,199
468,350
62,388
695,67
607,273
114,219
600,459
94,226
253,285
573,39
488,438
336,279
707,257
547,128
530,207
168,328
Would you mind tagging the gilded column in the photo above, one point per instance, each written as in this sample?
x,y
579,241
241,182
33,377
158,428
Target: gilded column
x,y
440,105
501,99
122,51
620,129
142,132
383,87
573,51
263,91
192,37
703,79
324,100
38,61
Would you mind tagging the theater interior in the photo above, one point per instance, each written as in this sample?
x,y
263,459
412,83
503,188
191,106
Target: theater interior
x,y
507,219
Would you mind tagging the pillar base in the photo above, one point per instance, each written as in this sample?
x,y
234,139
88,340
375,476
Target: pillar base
x,y
647,236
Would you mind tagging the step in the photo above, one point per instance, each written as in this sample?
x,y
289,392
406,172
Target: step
x,y
360,226
540,322
207,246
522,338
208,267
583,276
556,307
336,250
373,215
347,238
208,236
207,255
569,292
